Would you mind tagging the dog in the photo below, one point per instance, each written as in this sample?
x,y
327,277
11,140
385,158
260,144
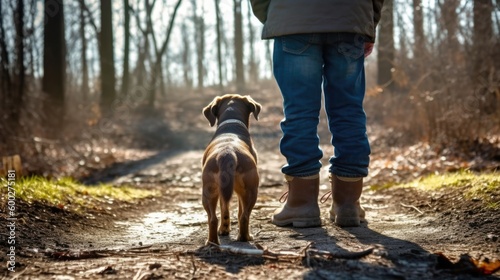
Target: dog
x,y
229,164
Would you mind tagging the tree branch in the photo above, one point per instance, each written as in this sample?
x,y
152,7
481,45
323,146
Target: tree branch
x,y
91,19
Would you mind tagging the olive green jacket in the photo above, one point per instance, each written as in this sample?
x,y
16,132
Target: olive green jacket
x,y
284,17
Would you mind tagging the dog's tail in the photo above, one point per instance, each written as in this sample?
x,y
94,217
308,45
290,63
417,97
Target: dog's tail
x,y
227,167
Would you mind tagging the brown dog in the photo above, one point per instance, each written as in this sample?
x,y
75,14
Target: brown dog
x,y
230,163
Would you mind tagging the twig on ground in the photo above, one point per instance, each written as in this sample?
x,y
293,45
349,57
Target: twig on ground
x,y
306,253
411,206
139,275
19,274
343,255
194,267
243,251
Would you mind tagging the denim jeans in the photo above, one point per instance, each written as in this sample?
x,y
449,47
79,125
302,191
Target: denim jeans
x,y
305,67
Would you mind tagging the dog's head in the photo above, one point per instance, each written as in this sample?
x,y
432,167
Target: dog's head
x,y
220,103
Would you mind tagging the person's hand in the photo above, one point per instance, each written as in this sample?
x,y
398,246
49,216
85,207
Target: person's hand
x,y
368,49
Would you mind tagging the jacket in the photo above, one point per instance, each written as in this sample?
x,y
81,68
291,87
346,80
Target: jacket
x,y
285,17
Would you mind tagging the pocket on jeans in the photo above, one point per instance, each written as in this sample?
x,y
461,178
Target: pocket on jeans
x,y
351,50
296,44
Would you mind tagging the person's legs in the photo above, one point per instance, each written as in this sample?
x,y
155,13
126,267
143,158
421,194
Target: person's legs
x,y
344,90
298,69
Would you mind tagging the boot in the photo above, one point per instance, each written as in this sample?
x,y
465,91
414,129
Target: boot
x,y
346,210
301,208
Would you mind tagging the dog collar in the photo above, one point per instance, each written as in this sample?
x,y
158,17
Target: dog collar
x,y
232,121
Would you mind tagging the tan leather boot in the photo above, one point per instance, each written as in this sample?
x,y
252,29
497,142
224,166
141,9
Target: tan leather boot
x,y
301,208
346,210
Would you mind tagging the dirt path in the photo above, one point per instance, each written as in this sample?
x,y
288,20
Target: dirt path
x,y
163,238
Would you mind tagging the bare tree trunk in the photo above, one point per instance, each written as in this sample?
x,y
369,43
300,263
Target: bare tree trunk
x,y
5,79
126,49
483,68
386,48
140,69
54,64
108,91
20,68
219,43
186,58
269,56
252,72
449,20
160,52
85,70
32,45
199,34
201,51
418,31
238,46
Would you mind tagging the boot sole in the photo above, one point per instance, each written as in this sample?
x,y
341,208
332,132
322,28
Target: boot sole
x,y
348,216
298,223
346,221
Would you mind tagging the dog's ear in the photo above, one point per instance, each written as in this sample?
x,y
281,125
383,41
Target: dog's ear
x,y
210,111
255,107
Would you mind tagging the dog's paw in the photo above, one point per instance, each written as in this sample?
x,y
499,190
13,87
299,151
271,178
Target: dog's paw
x,y
244,238
212,242
223,231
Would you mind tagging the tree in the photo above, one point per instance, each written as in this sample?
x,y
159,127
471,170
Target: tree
x,y
199,34
252,63
219,42
186,58
107,60
238,46
20,67
140,69
483,67
15,97
54,63
159,51
449,19
5,79
85,70
126,48
386,49
418,30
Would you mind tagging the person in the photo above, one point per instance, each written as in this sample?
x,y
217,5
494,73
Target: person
x,y
319,49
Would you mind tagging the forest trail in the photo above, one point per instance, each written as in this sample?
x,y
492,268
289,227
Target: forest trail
x,y
163,238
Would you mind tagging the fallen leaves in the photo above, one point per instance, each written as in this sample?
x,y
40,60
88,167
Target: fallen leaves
x,y
467,264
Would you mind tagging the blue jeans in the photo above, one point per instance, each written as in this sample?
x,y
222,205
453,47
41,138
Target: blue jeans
x,y
303,64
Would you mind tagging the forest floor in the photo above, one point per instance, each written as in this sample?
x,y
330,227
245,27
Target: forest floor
x,y
410,233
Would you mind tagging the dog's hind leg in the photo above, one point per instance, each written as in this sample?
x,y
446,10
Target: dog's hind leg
x,y
247,199
225,224
210,204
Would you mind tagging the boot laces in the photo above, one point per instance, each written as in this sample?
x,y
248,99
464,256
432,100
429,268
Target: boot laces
x,y
284,197
325,197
